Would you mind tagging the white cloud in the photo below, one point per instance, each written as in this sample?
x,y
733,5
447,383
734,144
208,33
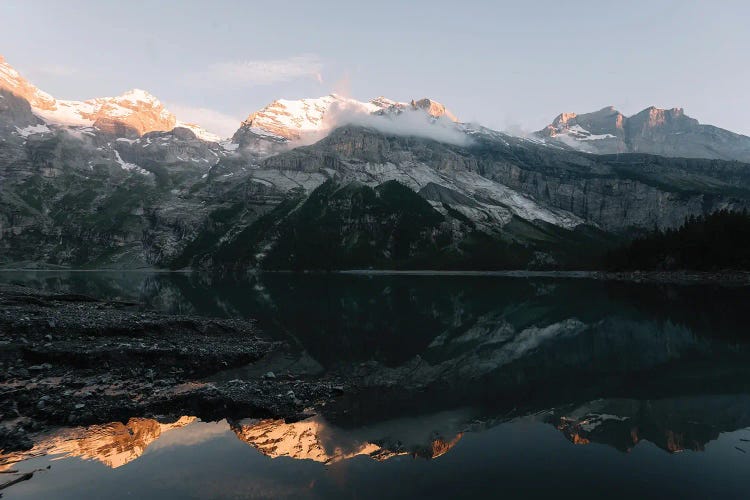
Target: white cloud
x,y
213,121
261,72
411,122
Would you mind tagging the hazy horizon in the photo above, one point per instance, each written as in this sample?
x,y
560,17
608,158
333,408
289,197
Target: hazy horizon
x,y
509,67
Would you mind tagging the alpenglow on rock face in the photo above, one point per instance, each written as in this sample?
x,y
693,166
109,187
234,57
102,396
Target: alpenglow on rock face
x,y
132,114
666,132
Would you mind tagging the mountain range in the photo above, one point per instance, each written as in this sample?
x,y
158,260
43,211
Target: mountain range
x,y
666,132
337,183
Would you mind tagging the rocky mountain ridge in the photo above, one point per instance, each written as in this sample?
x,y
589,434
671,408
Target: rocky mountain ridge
x,y
666,132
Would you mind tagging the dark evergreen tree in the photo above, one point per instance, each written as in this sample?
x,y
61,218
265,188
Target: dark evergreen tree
x,y
720,240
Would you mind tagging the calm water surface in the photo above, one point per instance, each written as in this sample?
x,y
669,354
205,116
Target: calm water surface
x,y
487,387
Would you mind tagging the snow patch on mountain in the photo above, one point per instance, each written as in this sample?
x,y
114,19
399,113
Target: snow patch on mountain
x,y
32,129
129,166
229,146
68,113
199,132
581,134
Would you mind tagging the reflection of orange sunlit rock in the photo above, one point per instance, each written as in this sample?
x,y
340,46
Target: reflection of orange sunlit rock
x,y
676,442
116,444
441,447
300,440
113,444
314,440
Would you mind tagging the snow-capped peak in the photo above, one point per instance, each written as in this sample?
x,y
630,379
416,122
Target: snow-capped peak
x,y
433,108
133,112
136,96
12,81
384,102
291,119
572,128
298,119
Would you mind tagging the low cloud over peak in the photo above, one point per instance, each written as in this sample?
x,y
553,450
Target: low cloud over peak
x,y
409,122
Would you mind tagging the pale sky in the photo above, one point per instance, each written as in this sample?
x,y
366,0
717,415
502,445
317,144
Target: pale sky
x,y
506,65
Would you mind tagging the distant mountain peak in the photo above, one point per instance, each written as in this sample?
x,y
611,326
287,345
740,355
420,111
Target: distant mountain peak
x,y
657,116
433,108
654,130
138,96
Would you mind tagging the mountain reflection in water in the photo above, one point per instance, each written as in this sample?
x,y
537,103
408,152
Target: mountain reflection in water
x,y
117,444
114,444
445,363
671,424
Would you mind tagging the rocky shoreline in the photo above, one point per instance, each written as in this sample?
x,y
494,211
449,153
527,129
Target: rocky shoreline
x,y
70,360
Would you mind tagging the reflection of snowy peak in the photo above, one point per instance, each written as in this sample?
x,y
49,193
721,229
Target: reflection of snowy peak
x,y
114,444
133,113
314,439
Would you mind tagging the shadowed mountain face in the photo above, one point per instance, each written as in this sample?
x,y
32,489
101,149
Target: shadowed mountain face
x,y
666,132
